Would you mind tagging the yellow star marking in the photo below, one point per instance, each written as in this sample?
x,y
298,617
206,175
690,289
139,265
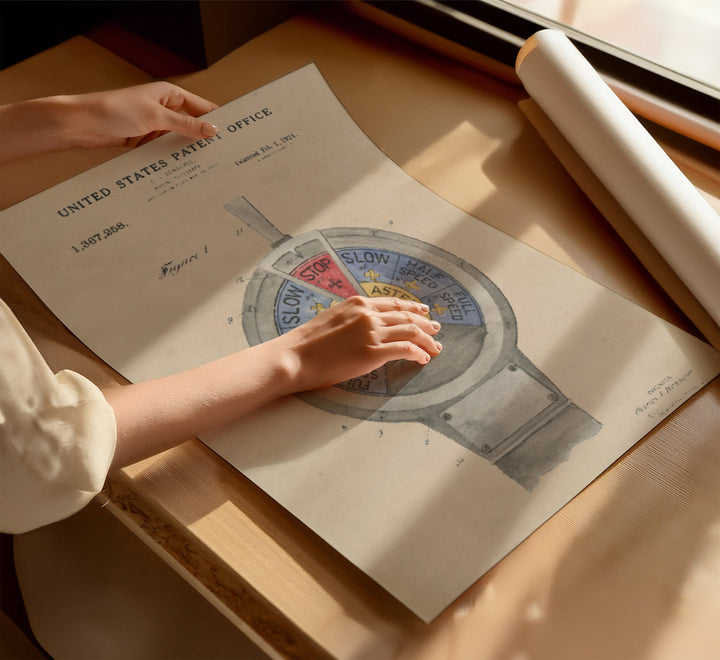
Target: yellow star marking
x,y
371,274
317,308
411,285
438,309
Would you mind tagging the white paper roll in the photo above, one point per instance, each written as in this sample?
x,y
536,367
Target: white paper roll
x,y
664,205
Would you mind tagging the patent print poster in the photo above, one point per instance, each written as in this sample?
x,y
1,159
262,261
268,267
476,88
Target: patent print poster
x,y
178,253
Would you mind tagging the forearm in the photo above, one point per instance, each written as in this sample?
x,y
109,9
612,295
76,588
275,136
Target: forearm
x,y
39,126
124,117
347,340
159,414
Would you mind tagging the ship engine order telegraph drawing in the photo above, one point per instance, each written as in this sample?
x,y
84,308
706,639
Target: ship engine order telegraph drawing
x,y
481,391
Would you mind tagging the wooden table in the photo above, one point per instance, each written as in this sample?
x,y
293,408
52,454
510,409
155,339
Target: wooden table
x,y
628,569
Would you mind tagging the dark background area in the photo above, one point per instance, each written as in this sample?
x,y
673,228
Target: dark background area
x,y
29,27
194,32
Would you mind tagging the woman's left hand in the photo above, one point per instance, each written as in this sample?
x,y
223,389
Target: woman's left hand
x,y
134,115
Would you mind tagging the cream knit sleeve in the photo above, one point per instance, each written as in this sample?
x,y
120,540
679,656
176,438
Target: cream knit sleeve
x,y
57,435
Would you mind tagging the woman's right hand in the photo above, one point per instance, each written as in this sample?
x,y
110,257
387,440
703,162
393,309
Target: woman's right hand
x,y
354,337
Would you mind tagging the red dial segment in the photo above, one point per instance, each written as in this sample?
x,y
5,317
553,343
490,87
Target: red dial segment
x,y
322,271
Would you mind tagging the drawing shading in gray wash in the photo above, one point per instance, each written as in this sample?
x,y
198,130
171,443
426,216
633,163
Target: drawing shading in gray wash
x,y
481,391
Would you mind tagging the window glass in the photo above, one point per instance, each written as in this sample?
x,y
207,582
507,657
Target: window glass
x,y
679,35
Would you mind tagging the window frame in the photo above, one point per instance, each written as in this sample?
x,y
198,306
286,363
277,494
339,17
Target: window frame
x,y
496,30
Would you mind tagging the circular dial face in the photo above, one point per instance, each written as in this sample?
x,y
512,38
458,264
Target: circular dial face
x,y
308,273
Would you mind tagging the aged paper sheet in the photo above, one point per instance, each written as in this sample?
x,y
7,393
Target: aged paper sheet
x,y
177,253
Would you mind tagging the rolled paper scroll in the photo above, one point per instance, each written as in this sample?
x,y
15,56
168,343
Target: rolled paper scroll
x,y
626,159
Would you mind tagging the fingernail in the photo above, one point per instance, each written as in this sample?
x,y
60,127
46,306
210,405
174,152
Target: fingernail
x,y
438,345
435,325
208,129
423,308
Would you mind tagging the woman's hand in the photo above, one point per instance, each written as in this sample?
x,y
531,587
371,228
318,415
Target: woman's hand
x,y
350,339
356,336
123,117
134,115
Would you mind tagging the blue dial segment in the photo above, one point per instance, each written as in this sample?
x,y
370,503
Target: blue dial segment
x,y
296,304
386,272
